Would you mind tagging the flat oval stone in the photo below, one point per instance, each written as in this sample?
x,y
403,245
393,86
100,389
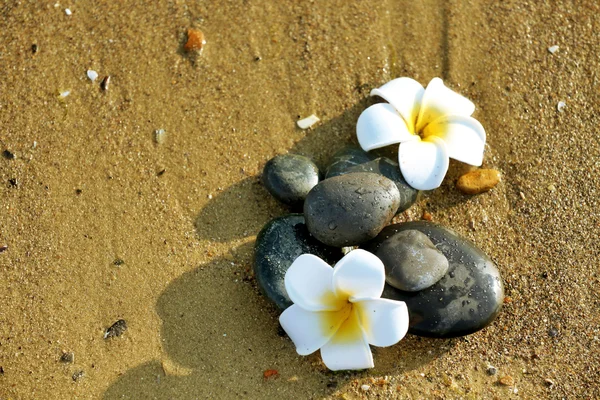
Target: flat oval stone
x,y
346,158
278,244
350,209
391,170
290,177
411,260
478,181
465,300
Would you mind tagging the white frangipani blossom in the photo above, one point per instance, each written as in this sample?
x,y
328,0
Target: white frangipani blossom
x,y
431,125
339,310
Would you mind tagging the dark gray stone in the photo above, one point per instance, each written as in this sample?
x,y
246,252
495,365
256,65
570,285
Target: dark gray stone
x,y
465,300
391,170
411,261
290,177
346,158
116,329
278,244
350,209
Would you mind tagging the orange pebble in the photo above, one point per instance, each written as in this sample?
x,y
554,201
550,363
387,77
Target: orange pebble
x,y
270,373
195,41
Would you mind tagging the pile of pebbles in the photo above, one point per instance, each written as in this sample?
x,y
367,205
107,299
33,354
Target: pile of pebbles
x,y
451,287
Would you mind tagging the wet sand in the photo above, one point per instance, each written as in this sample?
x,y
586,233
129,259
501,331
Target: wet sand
x,y
89,186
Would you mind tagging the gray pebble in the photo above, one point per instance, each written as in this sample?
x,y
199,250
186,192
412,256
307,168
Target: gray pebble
x,y
465,300
391,170
346,158
116,329
350,209
67,357
411,260
278,244
290,177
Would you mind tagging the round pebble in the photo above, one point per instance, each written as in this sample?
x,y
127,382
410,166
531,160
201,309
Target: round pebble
x,y
465,300
478,181
290,177
391,170
350,209
278,244
411,260
346,158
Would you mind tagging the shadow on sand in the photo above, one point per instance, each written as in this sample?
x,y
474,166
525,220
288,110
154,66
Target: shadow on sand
x,y
226,334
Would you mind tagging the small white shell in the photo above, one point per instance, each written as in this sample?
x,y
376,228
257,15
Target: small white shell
x,y
553,49
561,106
308,122
68,11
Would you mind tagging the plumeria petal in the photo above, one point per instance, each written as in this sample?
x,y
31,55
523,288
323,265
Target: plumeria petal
x,y
423,164
464,137
385,322
379,126
310,330
405,95
308,282
348,348
359,274
438,100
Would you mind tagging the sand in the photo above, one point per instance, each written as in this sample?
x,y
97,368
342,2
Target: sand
x,y
91,186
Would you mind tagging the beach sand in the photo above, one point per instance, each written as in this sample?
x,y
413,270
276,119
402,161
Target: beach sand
x,y
89,187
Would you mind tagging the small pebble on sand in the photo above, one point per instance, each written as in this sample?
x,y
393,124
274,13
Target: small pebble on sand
x,y
92,75
67,357
308,122
68,11
478,181
8,155
3,248
365,388
116,329
561,106
105,83
78,375
491,370
160,135
195,40
553,49
507,380
65,93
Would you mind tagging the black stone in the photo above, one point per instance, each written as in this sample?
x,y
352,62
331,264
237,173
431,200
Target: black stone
x,y
8,155
290,177
350,209
391,170
278,244
411,260
465,300
346,158
116,329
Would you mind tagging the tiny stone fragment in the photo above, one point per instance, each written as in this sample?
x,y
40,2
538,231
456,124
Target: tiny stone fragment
x,y
3,248
270,373
64,93
8,155
160,136
34,48
92,75
67,357
105,83
68,11
118,262
553,49
308,122
78,375
491,370
549,382
116,329
195,40
561,106
478,181
365,388
507,380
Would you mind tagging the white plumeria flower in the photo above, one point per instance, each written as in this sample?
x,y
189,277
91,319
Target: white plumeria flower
x,y
339,310
431,125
